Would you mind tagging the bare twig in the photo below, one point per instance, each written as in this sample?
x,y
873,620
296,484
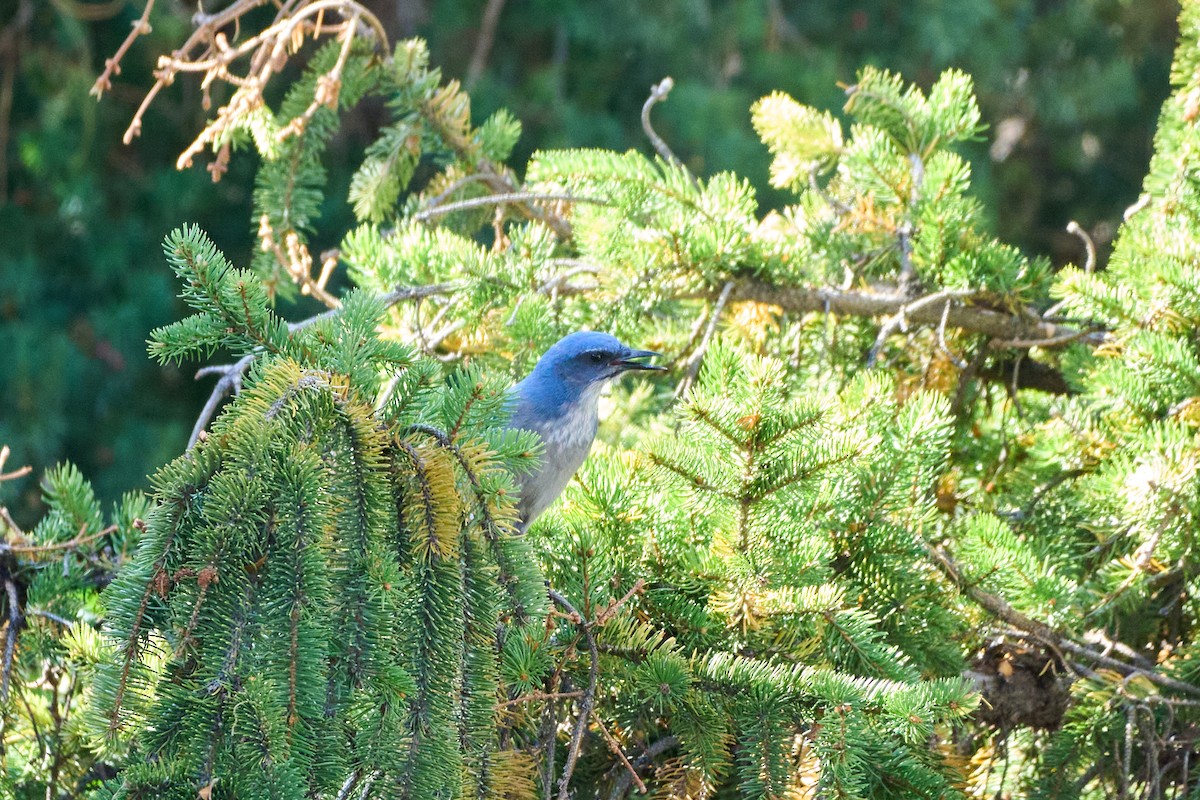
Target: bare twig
x,y
483,45
349,785
658,93
652,751
899,320
1089,265
499,183
329,85
576,267
1088,245
941,334
403,293
588,700
694,362
230,383
112,66
55,618
534,697
608,612
209,51
13,528
367,784
969,318
448,330
1102,638
504,197
546,736
466,180
20,472
15,622
615,747
80,538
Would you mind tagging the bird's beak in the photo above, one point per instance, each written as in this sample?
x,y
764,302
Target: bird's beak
x,y
632,360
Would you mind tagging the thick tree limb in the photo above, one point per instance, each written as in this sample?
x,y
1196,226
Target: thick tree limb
x,y
999,608
1015,330
949,308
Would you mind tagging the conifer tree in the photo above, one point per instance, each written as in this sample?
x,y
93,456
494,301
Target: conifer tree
x,y
912,519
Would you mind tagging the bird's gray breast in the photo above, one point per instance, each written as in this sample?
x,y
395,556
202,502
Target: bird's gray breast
x,y
568,439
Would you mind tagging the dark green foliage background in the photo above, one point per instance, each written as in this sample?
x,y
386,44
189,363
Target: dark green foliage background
x,y
82,216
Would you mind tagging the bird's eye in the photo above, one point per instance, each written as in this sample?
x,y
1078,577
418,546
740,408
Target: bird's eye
x,y
596,357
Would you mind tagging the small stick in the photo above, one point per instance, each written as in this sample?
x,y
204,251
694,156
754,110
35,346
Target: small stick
x,y
112,66
697,357
15,620
504,197
616,748
608,613
229,383
533,697
1090,246
941,333
900,318
16,473
348,786
658,93
43,548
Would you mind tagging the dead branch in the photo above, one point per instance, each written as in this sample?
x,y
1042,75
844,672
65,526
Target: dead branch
x,y
658,93
615,747
16,621
534,697
652,751
697,357
81,538
501,199
209,51
19,472
999,608
1006,328
483,45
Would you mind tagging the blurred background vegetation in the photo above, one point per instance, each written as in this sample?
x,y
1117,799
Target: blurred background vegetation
x,y
1071,92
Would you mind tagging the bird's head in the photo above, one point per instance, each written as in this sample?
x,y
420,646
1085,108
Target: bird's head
x,y
589,357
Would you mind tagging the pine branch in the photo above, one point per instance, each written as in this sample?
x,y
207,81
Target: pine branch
x,y
230,382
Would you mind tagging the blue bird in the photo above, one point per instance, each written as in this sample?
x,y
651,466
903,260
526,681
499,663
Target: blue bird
x,y
558,401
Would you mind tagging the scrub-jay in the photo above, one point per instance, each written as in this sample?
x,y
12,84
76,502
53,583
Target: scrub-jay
x,y
558,401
